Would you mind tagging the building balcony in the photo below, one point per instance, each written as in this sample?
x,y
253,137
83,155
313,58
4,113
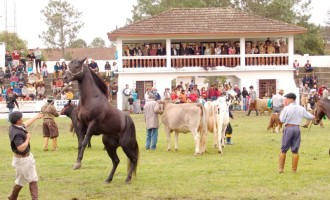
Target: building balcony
x,y
205,62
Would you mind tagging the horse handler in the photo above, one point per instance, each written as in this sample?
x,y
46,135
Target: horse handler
x,y
49,127
23,160
291,116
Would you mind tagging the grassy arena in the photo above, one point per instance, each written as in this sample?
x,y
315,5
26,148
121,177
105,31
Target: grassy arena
x,y
246,170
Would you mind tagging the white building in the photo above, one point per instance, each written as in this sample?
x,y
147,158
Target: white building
x,y
206,27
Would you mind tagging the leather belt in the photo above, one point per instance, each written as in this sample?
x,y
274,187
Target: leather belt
x,y
287,125
21,156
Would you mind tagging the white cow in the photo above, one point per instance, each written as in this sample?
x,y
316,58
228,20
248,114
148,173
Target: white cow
x,y
217,121
184,118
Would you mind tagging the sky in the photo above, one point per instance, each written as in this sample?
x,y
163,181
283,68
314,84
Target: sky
x,y
99,17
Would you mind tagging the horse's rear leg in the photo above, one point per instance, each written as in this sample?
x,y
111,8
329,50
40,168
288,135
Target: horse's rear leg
x,y
111,148
132,152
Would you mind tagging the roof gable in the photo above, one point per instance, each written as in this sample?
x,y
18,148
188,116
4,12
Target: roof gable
x,y
204,21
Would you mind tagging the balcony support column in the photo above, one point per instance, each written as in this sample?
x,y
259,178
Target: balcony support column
x,y
291,49
242,51
168,53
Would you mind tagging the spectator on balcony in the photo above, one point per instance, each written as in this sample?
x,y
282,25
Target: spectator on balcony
x,y
207,50
161,51
132,50
237,47
16,57
44,70
41,91
283,47
13,79
248,48
225,48
153,50
270,49
262,49
173,50
308,67
145,50
32,92
2,75
267,42
197,50
8,60
217,50
277,47
57,70
231,50
125,50
30,58
184,50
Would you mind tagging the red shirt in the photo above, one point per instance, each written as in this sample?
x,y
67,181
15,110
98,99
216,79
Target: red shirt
x,y
193,97
174,96
15,55
212,92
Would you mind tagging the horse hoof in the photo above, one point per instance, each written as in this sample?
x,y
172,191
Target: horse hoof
x,y
168,149
220,152
128,182
196,154
77,166
176,150
107,181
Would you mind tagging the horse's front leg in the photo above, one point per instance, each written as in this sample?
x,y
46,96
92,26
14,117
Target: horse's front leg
x,y
87,139
80,135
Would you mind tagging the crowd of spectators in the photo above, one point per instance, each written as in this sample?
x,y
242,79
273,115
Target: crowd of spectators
x,y
210,48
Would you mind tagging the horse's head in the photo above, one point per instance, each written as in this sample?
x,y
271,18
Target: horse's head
x,y
68,108
75,70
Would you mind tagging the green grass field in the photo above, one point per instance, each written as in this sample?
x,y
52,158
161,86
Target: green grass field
x,y
246,170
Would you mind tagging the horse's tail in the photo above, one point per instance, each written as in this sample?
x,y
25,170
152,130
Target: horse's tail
x,y
131,134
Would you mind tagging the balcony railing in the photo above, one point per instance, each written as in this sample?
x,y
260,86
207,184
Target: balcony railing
x,y
205,61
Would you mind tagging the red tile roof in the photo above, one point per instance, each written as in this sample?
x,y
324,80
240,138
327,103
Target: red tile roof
x,y
95,53
205,21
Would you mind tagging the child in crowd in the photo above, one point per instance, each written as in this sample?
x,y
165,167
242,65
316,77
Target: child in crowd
x,y
44,70
30,70
130,104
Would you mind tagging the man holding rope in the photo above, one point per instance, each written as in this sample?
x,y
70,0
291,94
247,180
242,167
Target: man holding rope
x,y
23,160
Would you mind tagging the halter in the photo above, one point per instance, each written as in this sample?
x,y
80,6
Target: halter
x,y
79,72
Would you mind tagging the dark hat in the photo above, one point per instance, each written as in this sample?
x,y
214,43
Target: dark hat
x,y
15,116
291,96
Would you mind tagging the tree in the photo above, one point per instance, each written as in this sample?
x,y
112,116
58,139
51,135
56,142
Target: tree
x,y
97,43
295,12
63,24
12,41
80,43
148,8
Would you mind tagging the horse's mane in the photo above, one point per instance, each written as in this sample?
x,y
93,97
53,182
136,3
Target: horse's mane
x,y
99,82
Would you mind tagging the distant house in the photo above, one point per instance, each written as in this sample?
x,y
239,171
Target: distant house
x,y
95,53
190,38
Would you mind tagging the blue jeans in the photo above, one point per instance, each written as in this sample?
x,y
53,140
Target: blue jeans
x,y
244,103
152,136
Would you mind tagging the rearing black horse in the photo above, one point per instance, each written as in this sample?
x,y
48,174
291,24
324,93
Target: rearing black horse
x,y
97,116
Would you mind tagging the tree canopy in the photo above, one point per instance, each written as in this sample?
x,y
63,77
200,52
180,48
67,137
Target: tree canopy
x,y
291,11
63,24
97,43
12,41
80,43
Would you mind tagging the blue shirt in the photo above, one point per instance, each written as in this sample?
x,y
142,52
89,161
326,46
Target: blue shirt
x,y
293,114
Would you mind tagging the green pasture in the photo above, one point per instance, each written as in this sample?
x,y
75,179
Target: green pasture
x,y
246,170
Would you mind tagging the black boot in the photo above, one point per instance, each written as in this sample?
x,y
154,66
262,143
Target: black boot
x,y
34,190
257,113
15,192
248,113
